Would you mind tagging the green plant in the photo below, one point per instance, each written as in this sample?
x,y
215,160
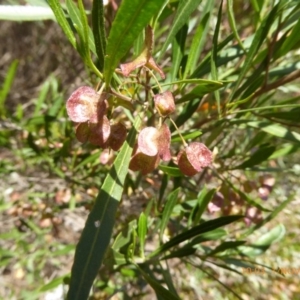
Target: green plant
x,y
208,137
248,80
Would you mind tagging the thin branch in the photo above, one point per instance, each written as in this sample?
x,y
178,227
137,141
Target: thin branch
x,y
294,75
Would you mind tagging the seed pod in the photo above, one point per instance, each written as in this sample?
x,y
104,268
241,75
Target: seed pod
x,y
85,104
164,103
193,158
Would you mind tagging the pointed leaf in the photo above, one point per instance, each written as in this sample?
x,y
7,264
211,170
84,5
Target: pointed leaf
x,y
97,232
225,246
142,231
203,200
132,17
6,85
84,33
200,90
62,21
214,53
99,30
276,130
261,155
290,41
178,51
74,14
52,284
232,23
264,242
187,135
260,35
202,228
208,236
199,38
171,171
183,12
170,204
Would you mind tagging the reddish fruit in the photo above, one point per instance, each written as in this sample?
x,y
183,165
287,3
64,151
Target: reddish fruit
x,y
117,136
86,105
152,142
192,159
164,103
142,162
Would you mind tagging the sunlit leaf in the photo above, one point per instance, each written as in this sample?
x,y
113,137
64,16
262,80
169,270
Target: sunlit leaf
x,y
183,12
132,17
97,232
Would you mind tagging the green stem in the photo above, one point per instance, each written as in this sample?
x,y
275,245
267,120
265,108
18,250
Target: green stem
x,y
183,141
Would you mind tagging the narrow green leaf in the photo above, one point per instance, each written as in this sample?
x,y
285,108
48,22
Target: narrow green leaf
x,y
264,242
97,232
124,238
237,262
199,82
114,257
247,265
138,44
261,155
142,231
6,86
183,12
99,30
171,171
168,209
75,17
201,90
256,6
191,247
185,251
199,39
187,135
132,17
214,53
226,267
287,115
178,48
168,279
90,159
163,186
259,37
291,115
159,289
62,21
224,57
216,234
202,228
276,130
203,200
232,23
52,284
41,99
290,41
85,30
225,246
285,150
272,236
